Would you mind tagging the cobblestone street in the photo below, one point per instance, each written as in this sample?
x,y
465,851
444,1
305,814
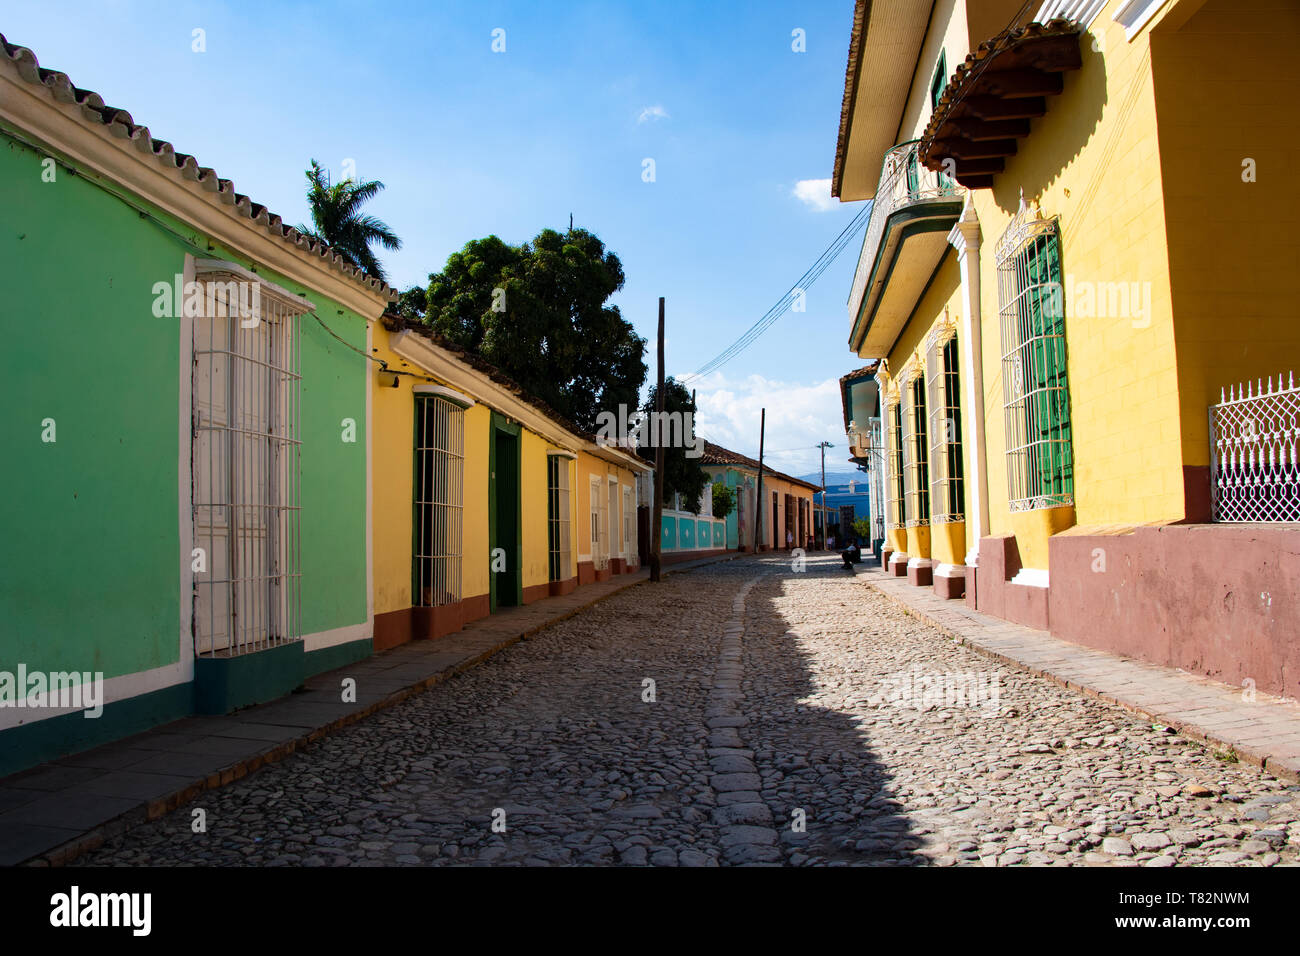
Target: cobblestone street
x,y
778,700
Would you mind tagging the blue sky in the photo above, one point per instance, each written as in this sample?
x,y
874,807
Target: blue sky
x,y
471,142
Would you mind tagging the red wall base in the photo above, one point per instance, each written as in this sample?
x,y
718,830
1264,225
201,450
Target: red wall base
x,y
949,588
920,573
1217,600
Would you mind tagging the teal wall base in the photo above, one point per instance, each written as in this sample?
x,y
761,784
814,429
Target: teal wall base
x,y
340,655
30,744
225,684
220,686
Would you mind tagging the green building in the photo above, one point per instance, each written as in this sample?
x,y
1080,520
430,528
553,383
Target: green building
x,y
186,458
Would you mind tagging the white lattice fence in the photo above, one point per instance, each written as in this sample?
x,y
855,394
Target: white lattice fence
x,y
1253,438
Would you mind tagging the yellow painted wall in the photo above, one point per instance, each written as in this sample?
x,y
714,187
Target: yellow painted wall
x,y
782,488
392,430
476,566
940,302
588,465
533,493
1094,161
1221,83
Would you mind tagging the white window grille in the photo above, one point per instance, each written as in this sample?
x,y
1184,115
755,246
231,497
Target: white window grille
x,y
599,525
629,525
894,463
1082,12
943,391
611,522
876,479
916,452
439,500
245,463
1254,431
559,527
1036,398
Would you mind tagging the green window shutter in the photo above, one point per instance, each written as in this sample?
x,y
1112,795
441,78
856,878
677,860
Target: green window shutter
x,y
1043,332
939,81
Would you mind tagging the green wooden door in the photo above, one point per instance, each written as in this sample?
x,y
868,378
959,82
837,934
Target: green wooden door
x,y
504,525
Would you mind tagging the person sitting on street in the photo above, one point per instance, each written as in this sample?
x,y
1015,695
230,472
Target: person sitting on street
x,y
850,555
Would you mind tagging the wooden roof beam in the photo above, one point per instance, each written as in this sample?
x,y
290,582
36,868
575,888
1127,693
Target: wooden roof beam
x,y
1017,84
960,149
994,107
981,130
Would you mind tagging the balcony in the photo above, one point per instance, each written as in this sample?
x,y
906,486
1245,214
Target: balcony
x,y
907,235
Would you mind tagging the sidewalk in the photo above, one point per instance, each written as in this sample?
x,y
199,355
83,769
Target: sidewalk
x,y
53,813
1264,732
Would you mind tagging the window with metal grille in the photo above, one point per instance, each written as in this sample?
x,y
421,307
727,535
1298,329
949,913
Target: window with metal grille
x,y
1040,466
916,450
559,547
629,525
894,463
876,478
245,463
943,387
439,502
599,525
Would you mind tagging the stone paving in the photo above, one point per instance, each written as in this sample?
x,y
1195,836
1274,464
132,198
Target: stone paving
x,y
741,713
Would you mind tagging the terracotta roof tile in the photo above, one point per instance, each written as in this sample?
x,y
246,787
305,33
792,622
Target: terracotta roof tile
x,y
717,455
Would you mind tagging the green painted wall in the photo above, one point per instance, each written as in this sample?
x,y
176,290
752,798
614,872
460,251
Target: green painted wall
x,y
89,575
333,471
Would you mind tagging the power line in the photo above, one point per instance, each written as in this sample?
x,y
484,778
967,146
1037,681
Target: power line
x,y
814,272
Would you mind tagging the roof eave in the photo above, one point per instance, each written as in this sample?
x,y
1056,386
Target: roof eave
x,y
883,50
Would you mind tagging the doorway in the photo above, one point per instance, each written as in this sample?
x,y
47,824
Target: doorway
x,y
504,525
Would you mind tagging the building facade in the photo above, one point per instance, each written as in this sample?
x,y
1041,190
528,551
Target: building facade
x,y
785,518
1070,270
188,516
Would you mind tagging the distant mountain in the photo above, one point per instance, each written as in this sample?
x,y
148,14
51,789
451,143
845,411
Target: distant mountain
x,y
834,477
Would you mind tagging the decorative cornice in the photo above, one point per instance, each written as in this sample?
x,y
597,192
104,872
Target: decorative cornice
x,y
1026,225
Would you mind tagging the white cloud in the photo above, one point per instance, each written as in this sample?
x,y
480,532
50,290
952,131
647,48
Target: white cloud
x,y
655,113
816,193
799,416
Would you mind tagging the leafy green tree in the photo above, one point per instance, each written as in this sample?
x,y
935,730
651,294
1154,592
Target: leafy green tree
x,y
410,304
540,313
724,500
682,474
863,527
340,224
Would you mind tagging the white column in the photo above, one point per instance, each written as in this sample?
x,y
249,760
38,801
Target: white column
x,y
965,239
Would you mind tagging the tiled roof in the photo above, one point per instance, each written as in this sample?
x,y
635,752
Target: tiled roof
x,y
181,165
1046,50
477,362
861,12
868,369
717,455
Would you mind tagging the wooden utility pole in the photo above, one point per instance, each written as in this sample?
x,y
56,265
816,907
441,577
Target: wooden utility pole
x,y
759,504
657,506
823,446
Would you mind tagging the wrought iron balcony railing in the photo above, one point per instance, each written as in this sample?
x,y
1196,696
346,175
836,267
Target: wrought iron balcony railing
x,y
904,183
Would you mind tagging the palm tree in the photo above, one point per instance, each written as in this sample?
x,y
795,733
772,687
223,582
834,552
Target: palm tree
x,y
335,211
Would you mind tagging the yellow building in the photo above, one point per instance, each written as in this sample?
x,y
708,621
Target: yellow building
x,y
483,497
1071,258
